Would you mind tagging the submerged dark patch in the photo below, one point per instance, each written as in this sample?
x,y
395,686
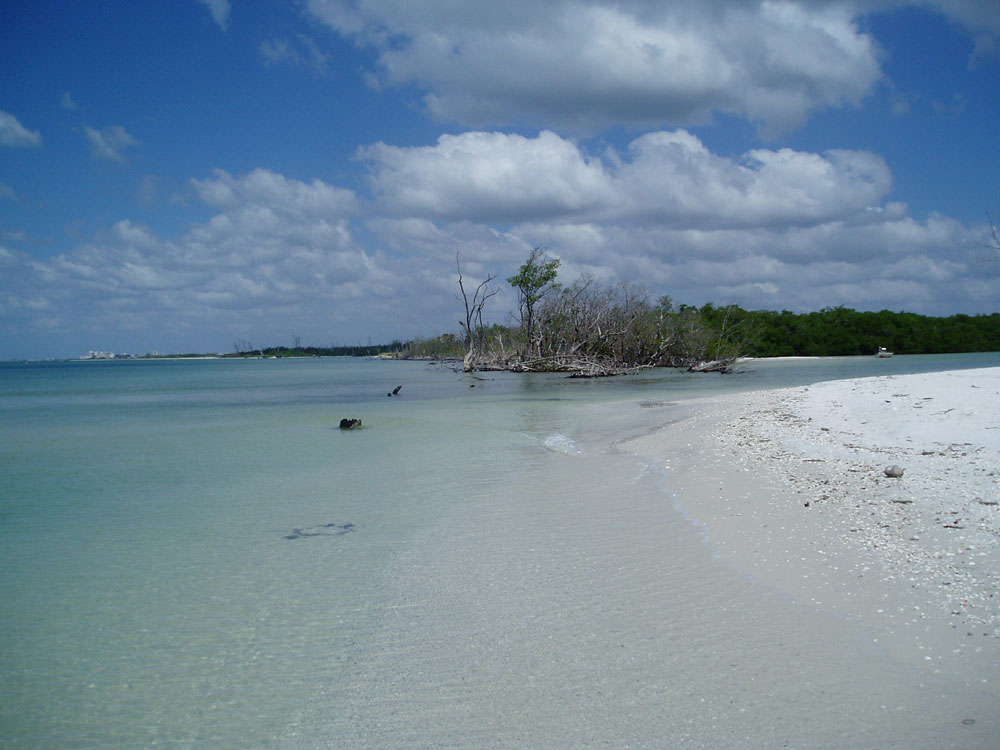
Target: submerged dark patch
x,y
326,529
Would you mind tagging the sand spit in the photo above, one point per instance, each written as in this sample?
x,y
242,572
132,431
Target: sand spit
x,y
791,487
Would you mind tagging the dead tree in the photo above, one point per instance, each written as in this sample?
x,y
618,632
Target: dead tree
x,y
472,326
995,245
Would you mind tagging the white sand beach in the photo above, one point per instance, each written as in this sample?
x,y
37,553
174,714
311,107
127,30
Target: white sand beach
x,y
790,487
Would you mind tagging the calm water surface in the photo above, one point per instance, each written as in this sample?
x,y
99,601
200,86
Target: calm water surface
x,y
193,555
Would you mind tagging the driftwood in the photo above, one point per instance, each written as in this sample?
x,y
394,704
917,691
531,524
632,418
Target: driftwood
x,y
470,362
576,366
716,365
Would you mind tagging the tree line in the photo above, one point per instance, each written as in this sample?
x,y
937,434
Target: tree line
x,y
591,328
841,331
246,349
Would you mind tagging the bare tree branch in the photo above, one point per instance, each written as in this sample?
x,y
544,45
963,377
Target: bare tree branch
x,y
473,323
993,233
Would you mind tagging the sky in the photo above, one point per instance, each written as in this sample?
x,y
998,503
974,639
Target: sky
x,y
181,176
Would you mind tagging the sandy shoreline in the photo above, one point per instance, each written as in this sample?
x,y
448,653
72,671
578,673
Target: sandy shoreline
x,y
789,487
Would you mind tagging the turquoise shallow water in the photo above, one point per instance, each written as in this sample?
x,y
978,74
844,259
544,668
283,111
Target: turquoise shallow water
x,y
152,595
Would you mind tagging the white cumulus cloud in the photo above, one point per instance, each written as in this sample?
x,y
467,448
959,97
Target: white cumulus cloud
x,y
220,10
301,51
772,228
487,176
666,177
264,189
110,142
584,64
14,134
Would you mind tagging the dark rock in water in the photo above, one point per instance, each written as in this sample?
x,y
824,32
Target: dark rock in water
x,y
895,471
326,529
349,424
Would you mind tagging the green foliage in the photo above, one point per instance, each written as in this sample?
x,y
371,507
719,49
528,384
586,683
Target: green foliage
x,y
445,346
841,331
618,325
534,280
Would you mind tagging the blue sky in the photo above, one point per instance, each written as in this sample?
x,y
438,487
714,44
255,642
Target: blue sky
x,y
178,176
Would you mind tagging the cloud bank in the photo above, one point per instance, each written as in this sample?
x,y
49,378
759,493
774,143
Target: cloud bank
x,y
585,65
666,177
772,228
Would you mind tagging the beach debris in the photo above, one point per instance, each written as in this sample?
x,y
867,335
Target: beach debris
x,y
326,529
987,502
895,471
349,424
724,366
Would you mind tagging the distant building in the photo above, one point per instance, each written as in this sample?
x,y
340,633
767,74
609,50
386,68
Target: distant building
x,y
107,355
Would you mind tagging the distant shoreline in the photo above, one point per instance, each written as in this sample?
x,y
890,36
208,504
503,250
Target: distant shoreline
x,y
179,357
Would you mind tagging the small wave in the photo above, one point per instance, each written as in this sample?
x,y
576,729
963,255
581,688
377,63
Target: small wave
x,y
559,443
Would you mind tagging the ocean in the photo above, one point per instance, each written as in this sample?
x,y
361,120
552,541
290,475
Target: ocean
x,y
194,555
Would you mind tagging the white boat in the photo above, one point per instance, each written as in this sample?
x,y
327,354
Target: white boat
x,y
882,353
